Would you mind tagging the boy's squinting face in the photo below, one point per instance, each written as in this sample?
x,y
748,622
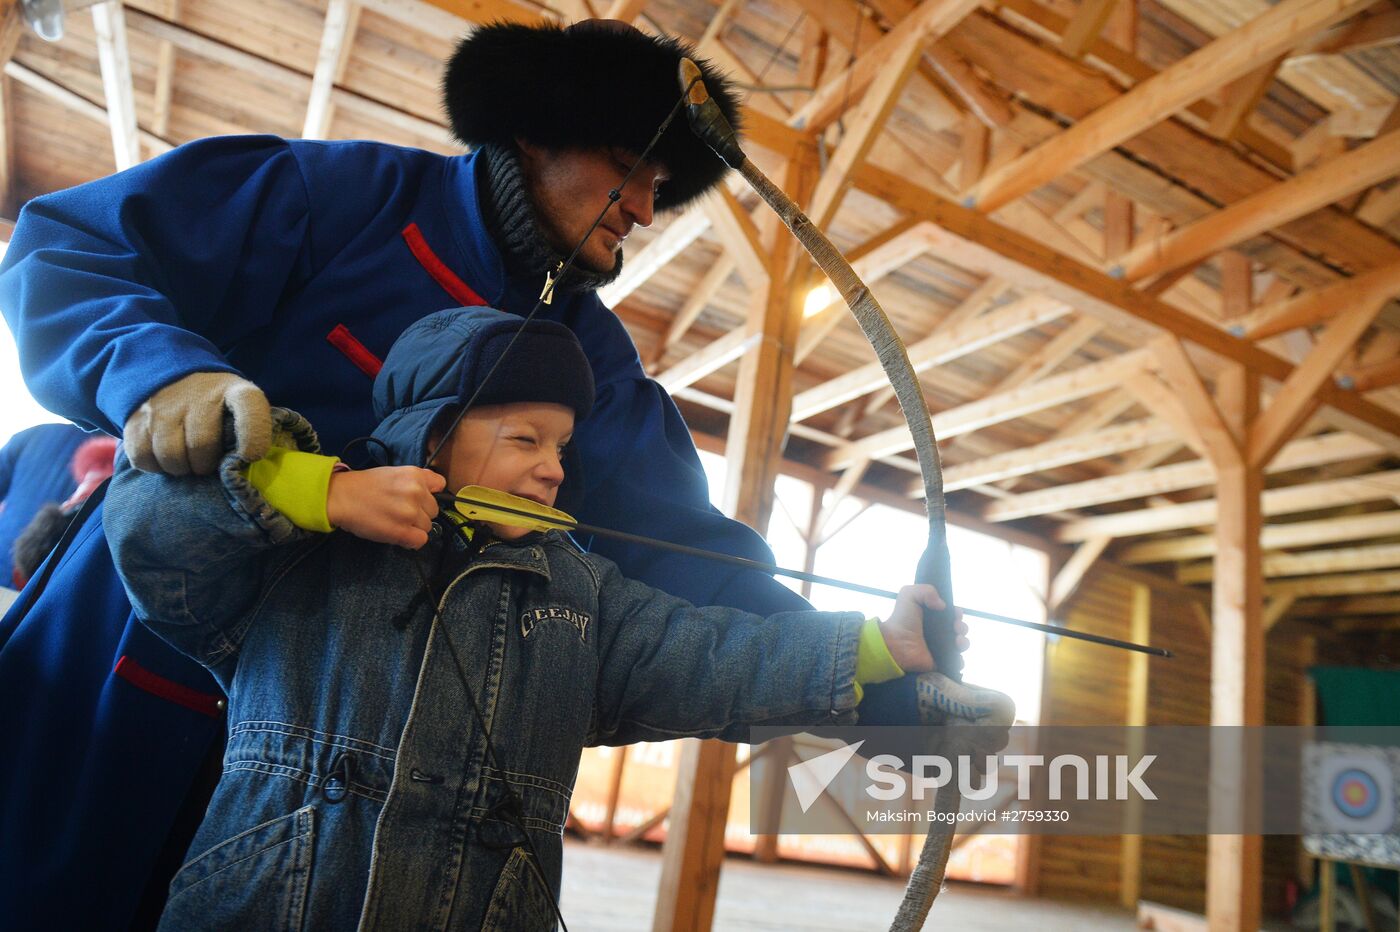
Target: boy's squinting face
x,y
516,448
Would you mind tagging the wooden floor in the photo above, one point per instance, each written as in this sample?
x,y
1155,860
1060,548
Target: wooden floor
x,y
615,889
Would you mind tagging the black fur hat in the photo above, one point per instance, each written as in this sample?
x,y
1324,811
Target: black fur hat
x,y
594,84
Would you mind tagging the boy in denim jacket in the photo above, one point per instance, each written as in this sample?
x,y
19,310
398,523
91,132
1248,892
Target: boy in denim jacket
x,y
407,701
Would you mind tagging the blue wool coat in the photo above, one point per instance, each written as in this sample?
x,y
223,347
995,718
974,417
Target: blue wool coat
x,y
295,263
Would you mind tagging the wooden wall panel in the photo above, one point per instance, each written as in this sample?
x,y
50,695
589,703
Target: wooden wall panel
x,y
1087,684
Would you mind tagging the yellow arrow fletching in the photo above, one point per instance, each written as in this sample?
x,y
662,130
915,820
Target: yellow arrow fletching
x,y
482,507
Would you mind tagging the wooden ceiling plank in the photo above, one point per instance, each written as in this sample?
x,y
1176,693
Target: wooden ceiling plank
x,y
1005,406
1347,584
1231,56
75,102
937,349
231,56
983,101
1297,399
625,10
1143,482
1086,25
739,234
337,37
1051,454
1367,165
109,24
1273,537
1311,563
700,296
1291,499
711,358
417,13
1124,61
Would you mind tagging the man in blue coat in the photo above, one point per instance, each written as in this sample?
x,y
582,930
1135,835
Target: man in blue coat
x,y
238,270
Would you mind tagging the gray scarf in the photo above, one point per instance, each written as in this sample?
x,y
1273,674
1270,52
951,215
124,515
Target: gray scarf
x,y
515,228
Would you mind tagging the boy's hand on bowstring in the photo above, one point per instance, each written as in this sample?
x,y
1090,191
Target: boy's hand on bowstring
x,y
386,504
904,629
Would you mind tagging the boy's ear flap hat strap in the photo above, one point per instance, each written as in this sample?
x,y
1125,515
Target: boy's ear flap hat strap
x,y
596,84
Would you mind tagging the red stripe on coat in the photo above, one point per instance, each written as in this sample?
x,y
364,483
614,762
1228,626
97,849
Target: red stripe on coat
x,y
342,339
168,689
461,292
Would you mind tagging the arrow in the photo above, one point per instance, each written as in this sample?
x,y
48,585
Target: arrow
x,y
478,503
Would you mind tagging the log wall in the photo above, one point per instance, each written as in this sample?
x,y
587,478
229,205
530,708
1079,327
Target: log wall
x,y
1089,685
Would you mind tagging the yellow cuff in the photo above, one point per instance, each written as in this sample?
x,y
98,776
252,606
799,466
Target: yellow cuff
x,y
297,485
873,661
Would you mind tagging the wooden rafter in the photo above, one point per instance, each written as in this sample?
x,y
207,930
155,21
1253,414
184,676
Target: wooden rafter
x,y
1172,89
1142,483
1063,451
942,346
1282,501
109,24
1089,19
1358,170
1314,307
337,37
1312,563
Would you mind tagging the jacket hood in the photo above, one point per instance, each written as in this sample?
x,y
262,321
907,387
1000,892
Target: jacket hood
x,y
441,361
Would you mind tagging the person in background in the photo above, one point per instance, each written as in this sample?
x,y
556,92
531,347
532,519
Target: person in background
x,y
34,472
91,465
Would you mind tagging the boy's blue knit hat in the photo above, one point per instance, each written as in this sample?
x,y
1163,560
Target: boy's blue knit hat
x,y
442,360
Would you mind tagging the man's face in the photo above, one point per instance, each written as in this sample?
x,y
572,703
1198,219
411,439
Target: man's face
x,y
570,186
516,448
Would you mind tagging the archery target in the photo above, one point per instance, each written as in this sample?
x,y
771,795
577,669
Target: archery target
x,y
1352,790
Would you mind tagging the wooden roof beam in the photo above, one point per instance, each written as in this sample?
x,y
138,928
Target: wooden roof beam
x,y
1142,483
903,46
1051,454
1320,304
1329,493
1273,537
1233,55
1124,61
1089,20
974,241
941,347
1004,406
109,23
872,261
929,19
1311,563
337,38
1346,584
1311,190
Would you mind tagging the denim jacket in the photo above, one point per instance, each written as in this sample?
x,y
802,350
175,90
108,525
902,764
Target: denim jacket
x,y
358,788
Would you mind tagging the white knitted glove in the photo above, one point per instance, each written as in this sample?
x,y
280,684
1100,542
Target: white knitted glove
x,y
943,701
179,429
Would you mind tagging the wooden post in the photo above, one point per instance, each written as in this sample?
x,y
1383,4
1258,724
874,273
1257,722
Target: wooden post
x,y
694,849
1130,867
1234,871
